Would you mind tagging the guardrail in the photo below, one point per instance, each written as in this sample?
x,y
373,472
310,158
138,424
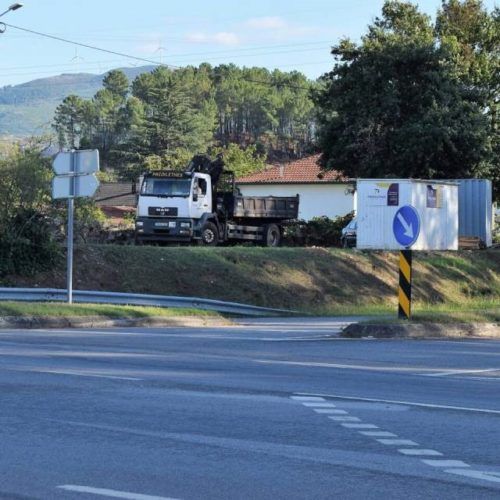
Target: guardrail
x,y
136,299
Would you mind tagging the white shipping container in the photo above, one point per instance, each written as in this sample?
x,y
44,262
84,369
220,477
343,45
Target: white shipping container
x,y
436,203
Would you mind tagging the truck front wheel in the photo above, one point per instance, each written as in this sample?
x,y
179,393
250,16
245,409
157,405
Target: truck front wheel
x,y
209,235
272,236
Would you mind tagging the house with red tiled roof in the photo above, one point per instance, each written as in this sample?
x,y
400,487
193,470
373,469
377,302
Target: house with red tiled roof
x,y
322,193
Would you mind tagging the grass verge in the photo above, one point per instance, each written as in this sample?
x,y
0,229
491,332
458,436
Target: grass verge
x,y
105,311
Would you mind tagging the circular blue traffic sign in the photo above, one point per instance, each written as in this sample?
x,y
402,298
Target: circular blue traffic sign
x,y
406,226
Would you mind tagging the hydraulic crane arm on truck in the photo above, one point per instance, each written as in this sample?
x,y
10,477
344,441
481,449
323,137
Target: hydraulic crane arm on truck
x,y
202,204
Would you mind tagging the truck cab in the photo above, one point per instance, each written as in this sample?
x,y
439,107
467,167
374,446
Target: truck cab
x,y
171,205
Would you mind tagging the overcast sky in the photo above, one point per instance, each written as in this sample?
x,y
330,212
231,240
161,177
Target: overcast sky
x,y
285,34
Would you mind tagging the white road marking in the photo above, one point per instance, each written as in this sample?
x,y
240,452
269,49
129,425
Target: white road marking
x,y
476,474
378,434
345,419
419,452
446,463
319,405
111,493
80,374
409,403
327,411
397,442
307,398
360,426
376,368
458,372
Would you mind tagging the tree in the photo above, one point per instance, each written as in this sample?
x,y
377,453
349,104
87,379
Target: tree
x,y
241,161
394,106
68,121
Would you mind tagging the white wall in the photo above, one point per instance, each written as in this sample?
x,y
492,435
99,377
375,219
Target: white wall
x,y
315,199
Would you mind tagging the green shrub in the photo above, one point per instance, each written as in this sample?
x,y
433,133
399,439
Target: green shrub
x,y
27,245
319,231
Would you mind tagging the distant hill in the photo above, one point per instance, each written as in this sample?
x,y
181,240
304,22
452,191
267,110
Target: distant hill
x,y
27,109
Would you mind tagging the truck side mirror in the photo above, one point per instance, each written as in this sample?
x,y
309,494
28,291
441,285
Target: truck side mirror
x,y
195,196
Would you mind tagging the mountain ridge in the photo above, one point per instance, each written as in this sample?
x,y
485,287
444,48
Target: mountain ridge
x,y
27,109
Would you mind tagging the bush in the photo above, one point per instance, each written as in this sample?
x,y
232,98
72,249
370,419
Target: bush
x,y
27,245
319,231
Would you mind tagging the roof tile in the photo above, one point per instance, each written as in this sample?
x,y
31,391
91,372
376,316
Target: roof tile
x,y
305,170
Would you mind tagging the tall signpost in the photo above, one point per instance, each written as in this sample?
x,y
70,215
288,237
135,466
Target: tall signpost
x,y
406,228
75,178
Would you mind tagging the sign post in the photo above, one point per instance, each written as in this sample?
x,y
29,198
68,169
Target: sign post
x,y
406,228
74,179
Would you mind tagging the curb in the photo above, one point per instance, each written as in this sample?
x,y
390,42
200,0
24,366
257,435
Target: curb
x,y
423,330
28,322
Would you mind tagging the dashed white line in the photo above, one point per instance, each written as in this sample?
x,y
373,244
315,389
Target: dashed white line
x,y
319,405
476,474
378,434
445,463
328,411
111,493
345,419
360,426
420,452
397,442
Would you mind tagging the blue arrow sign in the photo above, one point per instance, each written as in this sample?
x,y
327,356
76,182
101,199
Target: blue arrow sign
x,y
406,226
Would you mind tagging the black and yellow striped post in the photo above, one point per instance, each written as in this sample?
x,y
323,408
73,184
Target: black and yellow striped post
x,y
404,309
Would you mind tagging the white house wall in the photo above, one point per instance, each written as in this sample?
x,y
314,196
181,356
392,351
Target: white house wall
x,y
316,200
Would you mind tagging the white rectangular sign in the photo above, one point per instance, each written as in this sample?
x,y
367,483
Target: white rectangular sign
x,y
85,162
84,186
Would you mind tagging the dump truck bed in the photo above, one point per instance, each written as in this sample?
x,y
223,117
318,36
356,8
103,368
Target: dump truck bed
x,y
269,207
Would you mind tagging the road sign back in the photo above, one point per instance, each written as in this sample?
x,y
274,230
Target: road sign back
x,y
85,162
406,226
84,186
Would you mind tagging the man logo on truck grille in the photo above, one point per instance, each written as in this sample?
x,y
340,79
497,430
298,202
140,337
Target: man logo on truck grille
x,y
163,211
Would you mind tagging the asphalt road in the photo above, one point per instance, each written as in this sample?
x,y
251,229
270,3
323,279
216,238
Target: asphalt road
x,y
269,409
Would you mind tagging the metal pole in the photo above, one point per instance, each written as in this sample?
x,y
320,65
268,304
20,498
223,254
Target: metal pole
x,y
71,213
69,275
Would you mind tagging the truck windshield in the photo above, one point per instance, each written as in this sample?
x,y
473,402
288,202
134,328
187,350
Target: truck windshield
x,y
166,187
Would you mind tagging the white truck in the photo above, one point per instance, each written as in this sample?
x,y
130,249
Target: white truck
x,y
203,205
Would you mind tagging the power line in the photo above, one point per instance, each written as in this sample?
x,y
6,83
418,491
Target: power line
x,y
142,59
92,47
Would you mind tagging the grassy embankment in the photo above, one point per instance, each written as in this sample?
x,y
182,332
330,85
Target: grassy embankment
x,y
54,309
447,285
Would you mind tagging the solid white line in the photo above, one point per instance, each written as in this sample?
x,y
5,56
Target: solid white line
x,y
111,493
397,442
458,372
360,426
319,405
404,369
307,398
378,434
345,419
419,452
476,474
409,403
327,411
81,374
446,463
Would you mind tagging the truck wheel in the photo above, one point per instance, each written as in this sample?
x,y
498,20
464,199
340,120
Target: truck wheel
x,y
209,235
272,236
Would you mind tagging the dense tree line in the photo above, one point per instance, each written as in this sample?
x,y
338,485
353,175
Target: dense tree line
x,y
163,117
416,98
